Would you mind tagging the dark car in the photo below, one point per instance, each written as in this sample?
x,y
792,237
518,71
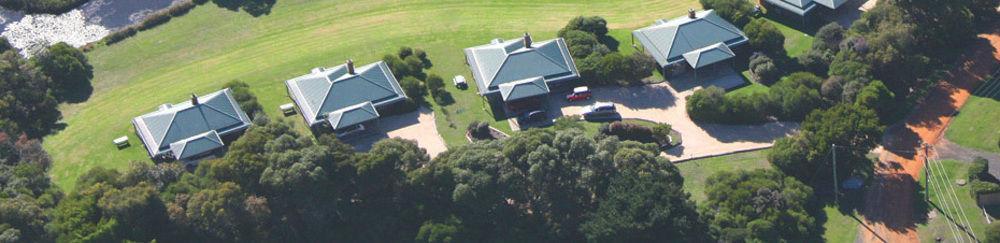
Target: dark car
x,y
532,117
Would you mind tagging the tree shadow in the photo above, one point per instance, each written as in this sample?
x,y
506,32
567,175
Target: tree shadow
x,y
77,93
255,8
608,41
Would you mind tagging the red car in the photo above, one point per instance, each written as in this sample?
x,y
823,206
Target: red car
x,y
579,93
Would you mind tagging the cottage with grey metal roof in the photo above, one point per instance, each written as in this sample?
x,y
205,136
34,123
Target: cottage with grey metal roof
x,y
188,130
342,96
804,7
698,39
520,68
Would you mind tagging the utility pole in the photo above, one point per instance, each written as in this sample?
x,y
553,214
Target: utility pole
x,y
927,174
836,198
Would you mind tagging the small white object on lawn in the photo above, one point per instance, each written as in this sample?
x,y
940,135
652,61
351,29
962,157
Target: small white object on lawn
x,y
459,80
121,141
287,108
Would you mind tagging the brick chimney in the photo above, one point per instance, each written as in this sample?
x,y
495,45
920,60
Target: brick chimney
x,y
350,67
527,40
194,99
691,13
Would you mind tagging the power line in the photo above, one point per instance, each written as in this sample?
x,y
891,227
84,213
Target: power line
x,y
954,196
933,183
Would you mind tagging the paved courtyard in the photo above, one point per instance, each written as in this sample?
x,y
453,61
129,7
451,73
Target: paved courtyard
x,y
417,126
662,103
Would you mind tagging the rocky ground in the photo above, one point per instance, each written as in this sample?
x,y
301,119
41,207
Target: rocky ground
x,y
83,25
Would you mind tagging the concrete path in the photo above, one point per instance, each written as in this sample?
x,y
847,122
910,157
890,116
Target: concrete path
x,y
662,103
418,126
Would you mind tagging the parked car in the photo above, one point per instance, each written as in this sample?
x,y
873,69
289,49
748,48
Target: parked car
x,y
532,117
579,93
459,81
599,108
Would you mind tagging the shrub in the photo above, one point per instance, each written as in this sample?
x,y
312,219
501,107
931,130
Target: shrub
x,y
737,12
877,96
993,232
629,131
712,105
592,24
479,130
763,70
582,44
816,61
244,97
68,69
5,45
982,187
435,84
155,19
661,132
765,37
979,170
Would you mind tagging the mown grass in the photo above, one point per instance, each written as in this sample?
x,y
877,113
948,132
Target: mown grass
x,y
941,226
200,51
796,42
976,125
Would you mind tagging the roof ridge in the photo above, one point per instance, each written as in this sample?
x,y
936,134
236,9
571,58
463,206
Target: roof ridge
x,y
170,125
550,59
493,77
721,26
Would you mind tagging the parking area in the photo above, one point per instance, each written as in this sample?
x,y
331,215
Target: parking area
x,y
662,103
418,126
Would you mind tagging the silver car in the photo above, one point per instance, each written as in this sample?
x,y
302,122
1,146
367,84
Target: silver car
x,y
600,108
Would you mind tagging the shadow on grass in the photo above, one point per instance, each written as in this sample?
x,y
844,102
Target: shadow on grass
x,y
255,8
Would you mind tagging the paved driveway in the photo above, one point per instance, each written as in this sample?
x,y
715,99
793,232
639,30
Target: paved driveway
x,y
662,103
418,126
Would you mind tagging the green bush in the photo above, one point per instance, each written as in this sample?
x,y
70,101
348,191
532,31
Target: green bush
x,y
661,132
629,131
712,105
980,170
737,12
981,187
244,97
763,69
42,6
413,88
479,130
765,37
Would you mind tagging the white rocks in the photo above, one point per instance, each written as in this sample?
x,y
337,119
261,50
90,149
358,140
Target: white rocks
x,y
33,33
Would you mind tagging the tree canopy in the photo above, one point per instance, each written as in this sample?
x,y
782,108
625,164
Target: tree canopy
x,y
759,206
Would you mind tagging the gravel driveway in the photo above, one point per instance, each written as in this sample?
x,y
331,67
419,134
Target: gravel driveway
x,y
418,126
662,103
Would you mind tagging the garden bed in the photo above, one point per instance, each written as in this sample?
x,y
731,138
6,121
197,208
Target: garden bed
x,y
494,135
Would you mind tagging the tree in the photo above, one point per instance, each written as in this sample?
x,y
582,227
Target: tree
x,y
5,45
763,70
796,95
737,12
582,44
878,97
413,88
591,24
646,205
828,37
832,88
68,70
759,206
243,96
27,104
707,104
854,129
765,37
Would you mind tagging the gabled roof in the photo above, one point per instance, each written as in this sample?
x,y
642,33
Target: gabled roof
x,y
524,88
352,115
668,40
708,55
217,112
328,90
508,61
802,7
196,145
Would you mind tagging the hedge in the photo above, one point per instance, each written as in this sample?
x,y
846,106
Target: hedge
x,y
155,19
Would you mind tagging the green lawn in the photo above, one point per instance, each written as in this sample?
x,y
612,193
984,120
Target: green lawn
x,y
840,227
796,42
750,88
976,125
695,172
939,226
200,51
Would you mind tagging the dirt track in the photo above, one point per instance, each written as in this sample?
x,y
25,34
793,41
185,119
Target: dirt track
x,y
889,213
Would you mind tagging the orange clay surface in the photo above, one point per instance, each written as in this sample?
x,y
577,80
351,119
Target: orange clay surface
x,y
889,214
